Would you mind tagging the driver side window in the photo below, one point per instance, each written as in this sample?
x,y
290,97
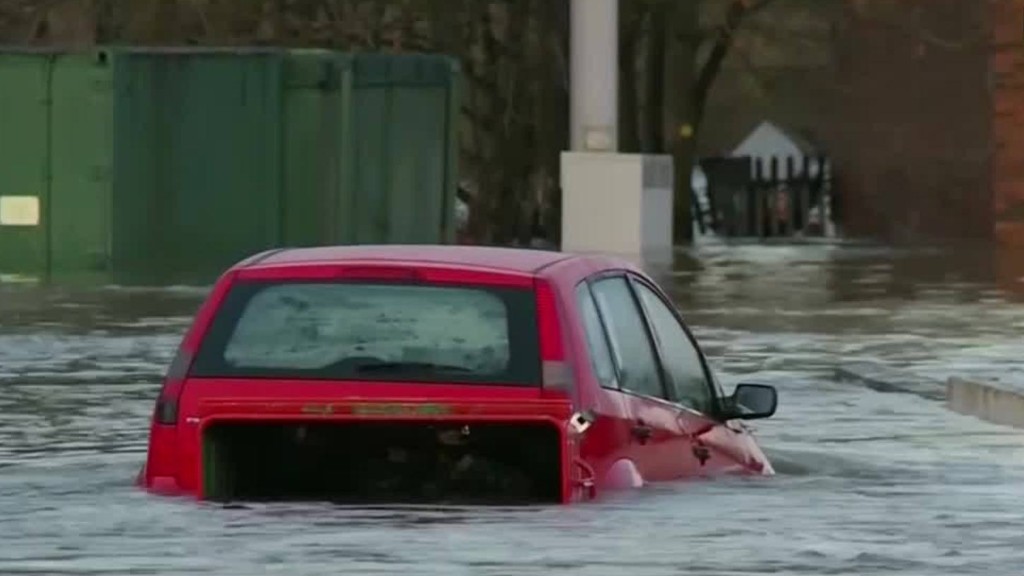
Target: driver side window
x,y
681,359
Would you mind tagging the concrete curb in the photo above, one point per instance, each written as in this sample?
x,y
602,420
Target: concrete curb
x,y
988,401
992,402
884,378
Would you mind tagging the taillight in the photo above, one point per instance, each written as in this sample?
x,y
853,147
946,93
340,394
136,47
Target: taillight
x,y
556,372
549,324
166,410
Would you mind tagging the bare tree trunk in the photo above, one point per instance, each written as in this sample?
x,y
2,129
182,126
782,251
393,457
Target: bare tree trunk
x,y
517,123
688,90
736,13
680,62
630,34
656,31
552,112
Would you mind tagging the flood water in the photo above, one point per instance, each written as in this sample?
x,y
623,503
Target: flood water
x,y
869,483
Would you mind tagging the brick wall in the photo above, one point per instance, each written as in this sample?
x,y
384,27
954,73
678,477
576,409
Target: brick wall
x,y
912,138
1007,70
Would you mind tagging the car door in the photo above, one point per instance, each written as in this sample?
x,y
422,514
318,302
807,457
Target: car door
x,y
656,439
716,447
608,442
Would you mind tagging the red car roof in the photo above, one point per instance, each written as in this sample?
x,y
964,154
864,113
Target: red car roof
x,y
506,259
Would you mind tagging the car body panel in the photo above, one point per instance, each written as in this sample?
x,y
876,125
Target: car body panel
x,y
672,453
611,454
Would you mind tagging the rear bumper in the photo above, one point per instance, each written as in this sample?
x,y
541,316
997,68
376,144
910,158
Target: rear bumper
x,y
578,482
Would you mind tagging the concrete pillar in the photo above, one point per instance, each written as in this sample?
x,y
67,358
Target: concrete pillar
x,y
618,204
612,203
594,75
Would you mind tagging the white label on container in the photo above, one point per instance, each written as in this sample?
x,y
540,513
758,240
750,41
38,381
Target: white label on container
x,y
19,210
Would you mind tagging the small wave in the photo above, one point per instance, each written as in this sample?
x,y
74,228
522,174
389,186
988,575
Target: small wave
x,y
800,463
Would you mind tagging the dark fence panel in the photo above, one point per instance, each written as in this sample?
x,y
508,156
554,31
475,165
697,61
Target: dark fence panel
x,y
780,197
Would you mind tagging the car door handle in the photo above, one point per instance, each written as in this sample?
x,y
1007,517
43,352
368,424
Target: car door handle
x,y
701,453
642,432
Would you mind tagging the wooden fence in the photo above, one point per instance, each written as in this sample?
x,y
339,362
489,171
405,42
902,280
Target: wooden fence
x,y
751,197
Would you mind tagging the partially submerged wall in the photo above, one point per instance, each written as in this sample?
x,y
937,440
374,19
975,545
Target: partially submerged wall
x,y
998,404
992,401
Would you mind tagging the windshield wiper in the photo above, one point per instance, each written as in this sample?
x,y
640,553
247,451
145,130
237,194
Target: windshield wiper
x,y
409,367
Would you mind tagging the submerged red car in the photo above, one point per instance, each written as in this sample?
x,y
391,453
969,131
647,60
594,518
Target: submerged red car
x,y
441,373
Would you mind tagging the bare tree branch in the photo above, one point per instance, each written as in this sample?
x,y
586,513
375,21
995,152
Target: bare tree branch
x,y
737,12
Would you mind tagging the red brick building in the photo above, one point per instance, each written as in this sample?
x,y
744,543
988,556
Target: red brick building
x,y
928,137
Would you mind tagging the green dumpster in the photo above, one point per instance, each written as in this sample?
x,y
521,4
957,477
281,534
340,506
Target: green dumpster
x,y
162,166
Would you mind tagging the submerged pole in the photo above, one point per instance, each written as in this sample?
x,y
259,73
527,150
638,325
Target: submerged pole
x,y
594,75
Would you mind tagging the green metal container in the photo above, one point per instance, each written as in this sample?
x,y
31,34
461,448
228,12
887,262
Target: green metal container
x,y
24,149
166,166
402,185
55,160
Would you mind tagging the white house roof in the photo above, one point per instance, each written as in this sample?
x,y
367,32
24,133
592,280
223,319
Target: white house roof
x,y
768,141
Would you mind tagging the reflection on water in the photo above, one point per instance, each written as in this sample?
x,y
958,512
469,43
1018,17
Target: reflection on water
x,y
869,483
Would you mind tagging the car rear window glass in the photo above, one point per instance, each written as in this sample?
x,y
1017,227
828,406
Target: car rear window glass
x,y
373,331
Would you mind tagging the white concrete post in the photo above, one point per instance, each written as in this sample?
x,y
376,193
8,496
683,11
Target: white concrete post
x,y
594,75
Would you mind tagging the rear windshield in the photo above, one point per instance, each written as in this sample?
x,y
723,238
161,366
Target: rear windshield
x,y
373,331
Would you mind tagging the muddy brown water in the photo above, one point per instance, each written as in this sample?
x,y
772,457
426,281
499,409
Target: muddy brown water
x,y
869,483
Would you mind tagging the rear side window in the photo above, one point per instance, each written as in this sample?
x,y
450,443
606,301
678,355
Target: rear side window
x,y
597,343
630,344
374,331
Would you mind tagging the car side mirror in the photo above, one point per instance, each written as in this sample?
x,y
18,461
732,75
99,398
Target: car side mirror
x,y
751,402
